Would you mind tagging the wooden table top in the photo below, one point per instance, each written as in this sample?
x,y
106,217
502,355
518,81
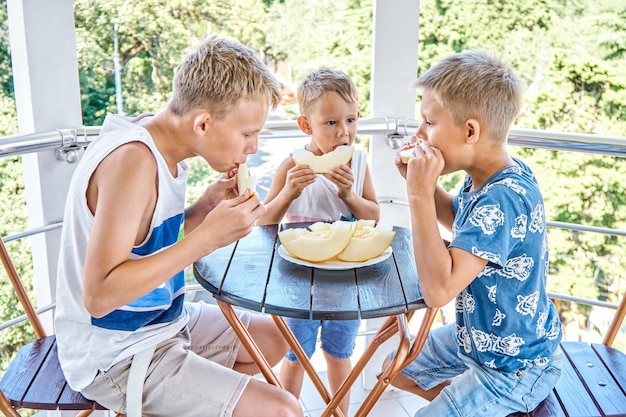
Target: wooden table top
x,y
251,274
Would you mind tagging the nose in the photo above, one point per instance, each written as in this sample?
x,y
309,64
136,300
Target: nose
x,y
420,132
252,145
342,129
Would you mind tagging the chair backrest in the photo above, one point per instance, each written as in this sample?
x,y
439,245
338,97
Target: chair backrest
x,y
616,323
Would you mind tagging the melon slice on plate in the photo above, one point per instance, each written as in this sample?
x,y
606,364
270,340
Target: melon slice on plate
x,y
367,242
246,180
323,163
320,242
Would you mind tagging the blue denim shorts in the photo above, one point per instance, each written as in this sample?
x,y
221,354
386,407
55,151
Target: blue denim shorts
x,y
477,390
337,336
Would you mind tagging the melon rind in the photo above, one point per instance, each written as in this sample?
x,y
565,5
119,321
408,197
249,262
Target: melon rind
x,y
367,242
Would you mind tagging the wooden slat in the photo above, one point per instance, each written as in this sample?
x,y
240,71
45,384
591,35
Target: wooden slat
x,y
572,394
211,269
35,380
247,273
615,363
47,385
402,246
334,295
597,379
379,290
289,289
23,368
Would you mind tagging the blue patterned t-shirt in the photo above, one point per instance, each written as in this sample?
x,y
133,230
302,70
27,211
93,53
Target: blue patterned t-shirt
x,y
504,317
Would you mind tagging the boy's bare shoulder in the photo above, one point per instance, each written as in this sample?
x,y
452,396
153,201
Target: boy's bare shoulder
x,y
131,153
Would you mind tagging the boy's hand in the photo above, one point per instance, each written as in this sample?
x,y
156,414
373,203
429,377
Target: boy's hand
x,y
298,177
223,189
402,166
423,170
343,178
231,220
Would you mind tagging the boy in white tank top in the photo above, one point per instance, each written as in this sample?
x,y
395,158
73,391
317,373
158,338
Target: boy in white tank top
x,y
329,114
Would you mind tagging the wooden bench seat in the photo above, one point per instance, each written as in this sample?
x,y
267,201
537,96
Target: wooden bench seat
x,y
592,384
35,380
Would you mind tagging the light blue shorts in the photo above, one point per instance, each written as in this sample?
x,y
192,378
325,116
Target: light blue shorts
x,y
477,390
337,336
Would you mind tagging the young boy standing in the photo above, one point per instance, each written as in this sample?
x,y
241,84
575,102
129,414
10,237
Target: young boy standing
x,y
127,238
329,114
502,354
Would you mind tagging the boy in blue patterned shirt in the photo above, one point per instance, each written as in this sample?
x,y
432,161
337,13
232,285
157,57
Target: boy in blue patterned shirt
x,y
501,356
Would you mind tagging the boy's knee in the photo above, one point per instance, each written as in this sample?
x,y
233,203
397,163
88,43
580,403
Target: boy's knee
x,y
291,405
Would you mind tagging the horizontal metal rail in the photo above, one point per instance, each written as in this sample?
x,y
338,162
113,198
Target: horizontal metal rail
x,y
22,318
395,130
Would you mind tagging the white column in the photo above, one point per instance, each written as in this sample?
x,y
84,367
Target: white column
x,y
47,94
394,70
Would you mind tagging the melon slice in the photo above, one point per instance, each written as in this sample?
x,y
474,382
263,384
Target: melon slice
x,y
406,155
323,163
367,242
246,180
319,243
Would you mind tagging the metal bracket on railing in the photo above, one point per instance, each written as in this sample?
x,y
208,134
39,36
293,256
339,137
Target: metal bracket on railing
x,y
71,145
401,129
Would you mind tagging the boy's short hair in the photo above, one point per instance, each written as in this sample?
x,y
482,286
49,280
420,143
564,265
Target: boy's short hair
x,y
477,85
318,83
217,75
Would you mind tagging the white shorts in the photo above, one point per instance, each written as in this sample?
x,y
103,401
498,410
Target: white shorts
x,y
189,376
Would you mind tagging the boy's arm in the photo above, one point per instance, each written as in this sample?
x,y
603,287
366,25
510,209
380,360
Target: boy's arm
x,y
362,207
443,203
443,273
287,185
122,199
443,199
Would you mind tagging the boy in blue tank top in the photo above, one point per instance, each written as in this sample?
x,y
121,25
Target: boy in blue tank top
x,y
127,236
501,356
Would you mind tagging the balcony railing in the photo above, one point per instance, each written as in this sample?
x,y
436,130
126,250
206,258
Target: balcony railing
x,y
64,141
67,143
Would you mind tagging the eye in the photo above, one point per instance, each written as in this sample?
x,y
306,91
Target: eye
x,y
351,120
331,123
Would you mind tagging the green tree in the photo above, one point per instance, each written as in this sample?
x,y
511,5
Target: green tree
x,y
306,36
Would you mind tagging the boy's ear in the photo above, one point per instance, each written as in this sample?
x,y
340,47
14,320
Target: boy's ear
x,y
201,123
303,124
473,131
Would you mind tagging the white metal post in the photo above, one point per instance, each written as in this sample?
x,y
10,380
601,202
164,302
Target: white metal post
x,y
47,95
394,70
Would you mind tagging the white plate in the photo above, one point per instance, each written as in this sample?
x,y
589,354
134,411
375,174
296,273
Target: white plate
x,y
333,264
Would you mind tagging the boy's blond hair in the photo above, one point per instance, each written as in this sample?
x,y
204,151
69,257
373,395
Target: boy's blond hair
x,y
477,85
217,75
318,83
